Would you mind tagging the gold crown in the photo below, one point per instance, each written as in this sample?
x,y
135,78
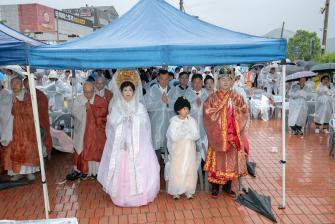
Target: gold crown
x,y
127,75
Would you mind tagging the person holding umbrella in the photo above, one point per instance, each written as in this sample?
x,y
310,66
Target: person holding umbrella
x,y
298,94
323,106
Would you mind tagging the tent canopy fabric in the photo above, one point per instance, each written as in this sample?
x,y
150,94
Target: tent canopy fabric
x,y
14,46
155,33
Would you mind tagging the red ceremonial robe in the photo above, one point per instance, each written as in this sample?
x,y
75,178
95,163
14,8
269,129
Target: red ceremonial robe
x,y
225,116
108,95
94,136
43,113
22,150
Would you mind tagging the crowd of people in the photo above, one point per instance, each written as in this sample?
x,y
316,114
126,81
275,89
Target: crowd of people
x,y
130,124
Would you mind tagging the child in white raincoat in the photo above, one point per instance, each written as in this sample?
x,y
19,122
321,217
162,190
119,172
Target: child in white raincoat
x,y
182,133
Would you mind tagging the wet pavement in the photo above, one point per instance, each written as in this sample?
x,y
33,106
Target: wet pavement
x,y
310,189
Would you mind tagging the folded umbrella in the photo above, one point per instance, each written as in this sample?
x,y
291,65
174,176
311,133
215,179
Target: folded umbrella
x,y
257,202
251,166
10,184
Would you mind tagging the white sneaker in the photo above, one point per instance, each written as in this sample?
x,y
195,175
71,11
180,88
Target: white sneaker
x,y
317,131
31,176
189,196
325,131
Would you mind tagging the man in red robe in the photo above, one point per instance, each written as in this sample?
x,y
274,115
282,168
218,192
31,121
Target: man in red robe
x,y
101,90
90,116
20,155
43,114
225,116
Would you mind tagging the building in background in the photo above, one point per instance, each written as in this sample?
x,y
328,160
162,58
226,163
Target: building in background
x,y
54,26
99,15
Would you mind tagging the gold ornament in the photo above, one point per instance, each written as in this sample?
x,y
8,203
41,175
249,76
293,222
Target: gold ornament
x,y
127,75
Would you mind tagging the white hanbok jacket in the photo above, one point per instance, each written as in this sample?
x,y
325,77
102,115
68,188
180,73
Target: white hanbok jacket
x,y
129,131
182,168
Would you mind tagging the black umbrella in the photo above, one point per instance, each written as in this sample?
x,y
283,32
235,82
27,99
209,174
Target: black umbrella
x,y
257,202
9,184
251,166
290,69
327,67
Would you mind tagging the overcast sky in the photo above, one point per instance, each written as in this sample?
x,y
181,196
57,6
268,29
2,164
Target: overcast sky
x,y
255,17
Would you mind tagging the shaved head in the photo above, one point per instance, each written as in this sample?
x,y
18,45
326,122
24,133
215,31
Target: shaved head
x,y
100,82
88,90
16,84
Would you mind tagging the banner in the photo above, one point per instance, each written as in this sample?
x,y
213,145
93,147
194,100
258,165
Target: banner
x,y
72,18
36,18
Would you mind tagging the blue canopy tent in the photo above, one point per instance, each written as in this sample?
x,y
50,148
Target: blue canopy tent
x,y
14,46
154,33
14,51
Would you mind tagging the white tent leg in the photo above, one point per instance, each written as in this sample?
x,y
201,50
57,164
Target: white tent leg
x,y
283,133
74,94
39,141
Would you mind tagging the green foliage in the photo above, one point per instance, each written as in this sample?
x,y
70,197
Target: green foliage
x,y
303,45
3,21
326,58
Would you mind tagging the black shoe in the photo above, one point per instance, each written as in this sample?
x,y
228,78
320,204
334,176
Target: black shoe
x,y
83,176
92,177
73,176
215,191
227,186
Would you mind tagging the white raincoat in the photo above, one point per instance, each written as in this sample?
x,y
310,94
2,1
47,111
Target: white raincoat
x,y
298,107
323,106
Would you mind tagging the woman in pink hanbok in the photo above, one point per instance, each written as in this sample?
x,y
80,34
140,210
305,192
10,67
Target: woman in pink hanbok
x,y
129,170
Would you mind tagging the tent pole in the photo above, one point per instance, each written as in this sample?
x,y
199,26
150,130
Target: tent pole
x,y
74,84
39,141
74,94
283,160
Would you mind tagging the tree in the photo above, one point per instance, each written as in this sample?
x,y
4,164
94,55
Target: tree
x,y
303,45
326,58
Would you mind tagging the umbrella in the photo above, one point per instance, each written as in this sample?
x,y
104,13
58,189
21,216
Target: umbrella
x,y
257,202
305,64
309,65
251,166
301,63
298,75
328,67
290,69
15,68
9,184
